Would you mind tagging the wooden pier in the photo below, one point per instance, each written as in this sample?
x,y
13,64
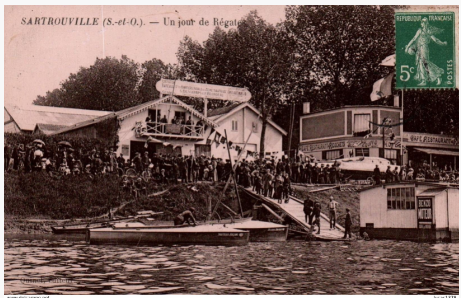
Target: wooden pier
x,y
294,210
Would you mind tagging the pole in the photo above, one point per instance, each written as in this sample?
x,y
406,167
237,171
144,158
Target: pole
x,y
290,132
233,175
230,176
401,135
205,108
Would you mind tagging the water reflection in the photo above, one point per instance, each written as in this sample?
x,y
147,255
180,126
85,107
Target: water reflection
x,y
69,266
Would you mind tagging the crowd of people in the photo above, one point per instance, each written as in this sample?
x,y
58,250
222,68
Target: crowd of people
x,y
423,172
271,177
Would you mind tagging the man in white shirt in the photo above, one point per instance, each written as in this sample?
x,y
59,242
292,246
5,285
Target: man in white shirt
x,y
332,214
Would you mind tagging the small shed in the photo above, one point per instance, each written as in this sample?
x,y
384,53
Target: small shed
x,y
410,211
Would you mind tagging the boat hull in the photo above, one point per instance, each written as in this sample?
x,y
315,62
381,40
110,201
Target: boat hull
x,y
263,231
179,236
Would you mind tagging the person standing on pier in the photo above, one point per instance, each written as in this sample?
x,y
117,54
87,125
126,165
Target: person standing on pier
x,y
332,214
348,224
308,210
316,212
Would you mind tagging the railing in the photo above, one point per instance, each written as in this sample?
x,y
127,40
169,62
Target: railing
x,y
157,128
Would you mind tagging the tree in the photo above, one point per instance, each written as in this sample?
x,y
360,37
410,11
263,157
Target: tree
x,y
153,71
109,84
440,107
254,56
339,48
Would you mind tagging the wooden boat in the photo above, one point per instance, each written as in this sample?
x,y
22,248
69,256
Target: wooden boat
x,y
261,231
169,235
83,227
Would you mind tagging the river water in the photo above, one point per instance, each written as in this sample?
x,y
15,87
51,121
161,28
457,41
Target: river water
x,y
57,265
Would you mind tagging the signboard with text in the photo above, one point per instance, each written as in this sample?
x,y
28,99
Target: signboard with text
x,y
181,88
348,144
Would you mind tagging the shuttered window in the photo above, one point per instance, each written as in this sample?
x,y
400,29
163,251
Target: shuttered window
x,y
362,124
332,154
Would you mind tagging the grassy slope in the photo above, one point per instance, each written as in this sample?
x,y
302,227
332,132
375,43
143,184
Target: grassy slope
x,y
36,195
346,199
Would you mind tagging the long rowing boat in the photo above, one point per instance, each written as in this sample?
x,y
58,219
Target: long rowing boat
x,y
199,235
260,231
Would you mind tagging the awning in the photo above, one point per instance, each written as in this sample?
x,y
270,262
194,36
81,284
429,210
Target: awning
x,y
431,192
438,152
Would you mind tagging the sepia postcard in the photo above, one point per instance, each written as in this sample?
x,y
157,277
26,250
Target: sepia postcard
x,y
231,150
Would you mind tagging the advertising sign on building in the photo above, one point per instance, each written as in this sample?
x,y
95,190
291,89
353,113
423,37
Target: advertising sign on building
x,y
181,88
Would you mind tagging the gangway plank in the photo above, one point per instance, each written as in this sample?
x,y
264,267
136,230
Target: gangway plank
x,y
294,210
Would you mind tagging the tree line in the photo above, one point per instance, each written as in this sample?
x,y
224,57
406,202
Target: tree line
x,y
327,55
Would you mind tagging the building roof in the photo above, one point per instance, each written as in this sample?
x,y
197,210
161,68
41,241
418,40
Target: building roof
x,y
223,110
222,113
48,128
354,107
122,114
436,185
27,117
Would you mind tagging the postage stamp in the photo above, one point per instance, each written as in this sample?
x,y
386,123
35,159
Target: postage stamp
x,y
425,50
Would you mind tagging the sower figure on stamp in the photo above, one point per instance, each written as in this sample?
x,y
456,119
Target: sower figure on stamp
x,y
426,71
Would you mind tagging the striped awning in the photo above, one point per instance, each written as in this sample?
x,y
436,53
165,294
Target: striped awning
x,y
438,151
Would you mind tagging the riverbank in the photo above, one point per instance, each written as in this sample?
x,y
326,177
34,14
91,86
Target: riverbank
x,y
35,202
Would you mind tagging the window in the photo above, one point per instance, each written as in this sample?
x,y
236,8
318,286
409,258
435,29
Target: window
x,y
332,154
254,126
362,152
154,115
362,124
180,115
391,155
234,125
401,198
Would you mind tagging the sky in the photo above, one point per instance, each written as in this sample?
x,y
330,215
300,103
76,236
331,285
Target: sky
x,y
39,55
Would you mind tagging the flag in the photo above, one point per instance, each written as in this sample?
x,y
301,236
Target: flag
x,y
217,136
223,140
382,87
211,132
230,144
389,61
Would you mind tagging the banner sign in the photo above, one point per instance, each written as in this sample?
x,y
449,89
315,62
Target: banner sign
x,y
345,145
430,139
181,88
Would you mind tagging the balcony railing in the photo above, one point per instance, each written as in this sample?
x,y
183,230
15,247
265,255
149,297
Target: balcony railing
x,y
169,130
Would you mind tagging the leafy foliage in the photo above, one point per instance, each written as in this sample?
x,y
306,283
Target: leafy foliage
x,y
254,56
109,84
339,48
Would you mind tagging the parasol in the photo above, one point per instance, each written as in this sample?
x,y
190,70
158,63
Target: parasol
x,y
38,141
65,144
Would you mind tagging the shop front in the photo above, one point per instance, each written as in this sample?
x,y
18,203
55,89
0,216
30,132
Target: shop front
x,y
431,151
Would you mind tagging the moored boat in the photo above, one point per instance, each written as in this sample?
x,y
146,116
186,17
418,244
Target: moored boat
x,y
168,235
261,231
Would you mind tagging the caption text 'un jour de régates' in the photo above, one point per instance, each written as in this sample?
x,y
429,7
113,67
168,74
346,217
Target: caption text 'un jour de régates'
x,y
134,22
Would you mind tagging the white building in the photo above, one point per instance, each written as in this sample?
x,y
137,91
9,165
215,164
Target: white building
x,y
137,135
411,211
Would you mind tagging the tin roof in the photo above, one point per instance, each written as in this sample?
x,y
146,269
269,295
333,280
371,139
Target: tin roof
x,y
27,117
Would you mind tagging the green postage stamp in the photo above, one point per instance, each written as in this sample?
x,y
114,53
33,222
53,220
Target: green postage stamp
x,y
425,50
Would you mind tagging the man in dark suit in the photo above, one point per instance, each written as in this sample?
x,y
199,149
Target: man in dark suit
x,y
348,224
